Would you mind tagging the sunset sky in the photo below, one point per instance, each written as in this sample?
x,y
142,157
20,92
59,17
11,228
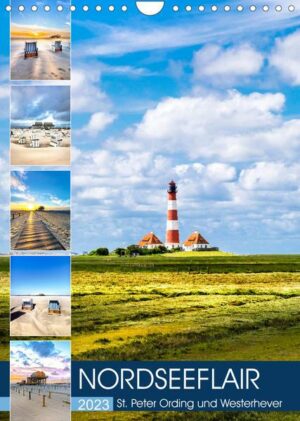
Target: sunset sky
x,y
52,357
39,24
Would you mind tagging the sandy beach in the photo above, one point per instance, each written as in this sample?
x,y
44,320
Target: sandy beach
x,y
45,154
40,230
47,66
38,322
57,403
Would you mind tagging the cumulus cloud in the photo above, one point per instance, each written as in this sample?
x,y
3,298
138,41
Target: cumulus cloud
x,y
40,103
231,153
229,128
285,57
226,66
97,123
271,176
227,152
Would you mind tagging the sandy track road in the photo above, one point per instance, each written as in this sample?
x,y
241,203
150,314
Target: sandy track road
x,y
37,236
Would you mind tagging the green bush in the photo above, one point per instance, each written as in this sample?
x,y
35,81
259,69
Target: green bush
x,y
101,251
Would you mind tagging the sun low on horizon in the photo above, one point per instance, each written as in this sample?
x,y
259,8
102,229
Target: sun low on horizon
x,y
23,32
25,206
32,207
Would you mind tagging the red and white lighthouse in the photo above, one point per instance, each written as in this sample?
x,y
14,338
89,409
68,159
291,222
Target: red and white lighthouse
x,y
172,234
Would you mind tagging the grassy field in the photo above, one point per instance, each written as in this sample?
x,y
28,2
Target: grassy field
x,y
189,262
219,308
4,309
185,307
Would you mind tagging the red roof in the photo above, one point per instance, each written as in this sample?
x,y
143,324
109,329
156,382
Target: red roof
x,y
195,238
150,239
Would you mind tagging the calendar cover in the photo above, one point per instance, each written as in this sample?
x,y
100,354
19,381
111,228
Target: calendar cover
x,y
149,210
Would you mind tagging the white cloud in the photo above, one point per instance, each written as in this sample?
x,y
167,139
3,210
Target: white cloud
x,y
226,66
229,128
17,184
285,57
87,95
219,172
97,123
271,176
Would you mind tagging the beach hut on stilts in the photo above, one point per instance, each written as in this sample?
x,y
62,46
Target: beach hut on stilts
x,y
37,378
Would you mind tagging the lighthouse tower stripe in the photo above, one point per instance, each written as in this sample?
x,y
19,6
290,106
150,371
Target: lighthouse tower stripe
x,y
172,225
172,196
172,215
172,238
172,234
172,204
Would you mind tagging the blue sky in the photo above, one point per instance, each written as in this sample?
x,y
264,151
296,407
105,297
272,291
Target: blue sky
x,y
32,275
48,188
209,99
40,103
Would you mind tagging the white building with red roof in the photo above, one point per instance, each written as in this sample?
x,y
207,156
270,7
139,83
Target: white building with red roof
x,y
196,242
150,241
